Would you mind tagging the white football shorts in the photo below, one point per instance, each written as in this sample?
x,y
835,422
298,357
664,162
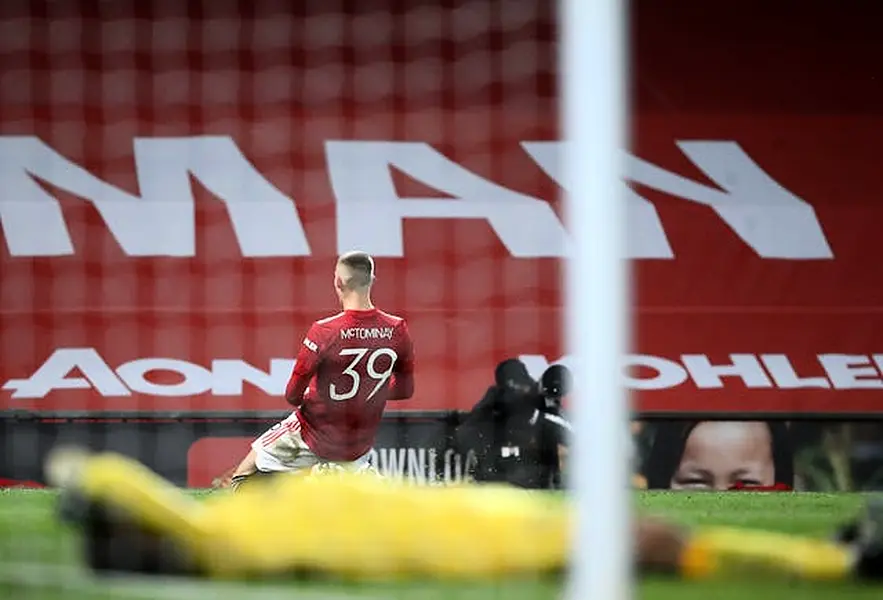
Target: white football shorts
x,y
281,449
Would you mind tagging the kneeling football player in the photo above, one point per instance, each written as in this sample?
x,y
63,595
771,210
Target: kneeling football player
x,y
358,526
348,366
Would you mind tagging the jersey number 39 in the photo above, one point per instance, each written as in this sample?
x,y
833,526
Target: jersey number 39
x,y
378,378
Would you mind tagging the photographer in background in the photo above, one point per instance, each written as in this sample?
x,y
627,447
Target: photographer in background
x,y
555,385
516,432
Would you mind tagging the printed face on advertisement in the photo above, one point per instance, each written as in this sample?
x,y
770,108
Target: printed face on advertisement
x,y
720,454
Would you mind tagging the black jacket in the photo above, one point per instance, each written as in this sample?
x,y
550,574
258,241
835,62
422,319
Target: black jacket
x,y
513,440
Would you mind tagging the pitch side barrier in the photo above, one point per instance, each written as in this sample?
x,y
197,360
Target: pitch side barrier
x,y
193,449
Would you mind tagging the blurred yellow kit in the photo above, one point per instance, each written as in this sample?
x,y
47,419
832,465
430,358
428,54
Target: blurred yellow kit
x,y
343,524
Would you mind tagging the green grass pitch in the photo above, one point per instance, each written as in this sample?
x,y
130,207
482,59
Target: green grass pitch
x,y
38,558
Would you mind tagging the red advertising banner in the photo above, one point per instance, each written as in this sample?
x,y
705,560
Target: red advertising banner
x,y
175,187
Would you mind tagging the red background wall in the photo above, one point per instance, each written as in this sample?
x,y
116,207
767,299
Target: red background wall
x,y
798,87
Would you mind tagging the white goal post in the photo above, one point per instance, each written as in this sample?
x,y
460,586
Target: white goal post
x,y
594,108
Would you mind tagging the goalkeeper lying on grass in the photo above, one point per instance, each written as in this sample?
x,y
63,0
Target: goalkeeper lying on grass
x,y
364,527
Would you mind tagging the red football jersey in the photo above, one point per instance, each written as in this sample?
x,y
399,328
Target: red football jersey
x,y
347,368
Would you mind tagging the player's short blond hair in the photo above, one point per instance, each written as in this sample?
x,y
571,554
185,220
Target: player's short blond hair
x,y
361,269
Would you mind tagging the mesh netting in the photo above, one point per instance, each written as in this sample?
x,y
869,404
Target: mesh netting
x,y
219,157
177,178
180,177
